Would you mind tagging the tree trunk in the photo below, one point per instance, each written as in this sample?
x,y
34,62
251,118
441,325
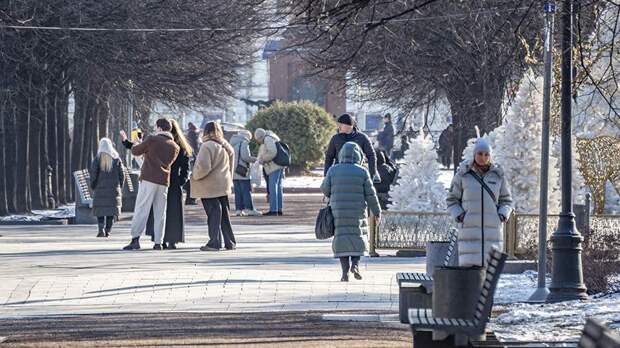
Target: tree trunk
x,y
22,124
4,209
36,123
473,103
10,151
62,144
52,141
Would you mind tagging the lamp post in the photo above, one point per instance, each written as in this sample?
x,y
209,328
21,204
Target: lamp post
x,y
567,276
541,293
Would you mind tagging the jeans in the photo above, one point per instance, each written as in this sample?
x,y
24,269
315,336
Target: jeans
x,y
243,195
218,222
105,221
275,190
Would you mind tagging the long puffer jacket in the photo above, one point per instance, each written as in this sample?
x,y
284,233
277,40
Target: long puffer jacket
x,y
481,228
107,188
350,190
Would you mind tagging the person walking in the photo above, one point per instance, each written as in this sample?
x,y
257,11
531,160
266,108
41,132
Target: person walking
x,y
348,132
388,172
480,201
386,136
211,181
241,177
446,140
159,151
106,181
267,152
350,191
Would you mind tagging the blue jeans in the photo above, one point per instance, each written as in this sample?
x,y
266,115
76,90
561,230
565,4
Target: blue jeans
x,y
243,195
275,190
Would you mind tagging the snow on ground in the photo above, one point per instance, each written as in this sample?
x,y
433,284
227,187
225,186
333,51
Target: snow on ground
x,y
564,321
63,212
303,181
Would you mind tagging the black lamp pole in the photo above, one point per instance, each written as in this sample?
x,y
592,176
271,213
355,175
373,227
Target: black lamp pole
x,y
567,276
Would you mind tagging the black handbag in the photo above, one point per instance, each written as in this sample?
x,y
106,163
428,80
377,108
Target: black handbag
x,y
239,169
324,227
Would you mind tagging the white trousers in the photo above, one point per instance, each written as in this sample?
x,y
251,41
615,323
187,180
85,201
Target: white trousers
x,y
150,194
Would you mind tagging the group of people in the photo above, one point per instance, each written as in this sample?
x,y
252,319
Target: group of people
x,y
355,177
170,162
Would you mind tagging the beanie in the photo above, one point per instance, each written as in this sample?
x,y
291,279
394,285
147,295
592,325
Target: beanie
x,y
482,145
345,119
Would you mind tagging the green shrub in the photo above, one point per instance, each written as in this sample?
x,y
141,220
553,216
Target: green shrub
x,y
304,126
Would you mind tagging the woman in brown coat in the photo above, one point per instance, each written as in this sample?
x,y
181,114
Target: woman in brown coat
x,y
211,181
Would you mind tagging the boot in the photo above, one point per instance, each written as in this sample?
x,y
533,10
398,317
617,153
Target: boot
x,y
134,245
164,245
345,278
101,233
356,272
157,247
172,246
107,232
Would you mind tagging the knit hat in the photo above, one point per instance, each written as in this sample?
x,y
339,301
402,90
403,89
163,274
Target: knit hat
x,y
345,119
482,145
259,134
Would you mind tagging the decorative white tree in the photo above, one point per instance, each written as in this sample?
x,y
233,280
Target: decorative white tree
x,y
418,188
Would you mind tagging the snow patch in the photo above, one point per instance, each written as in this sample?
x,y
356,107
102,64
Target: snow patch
x,y
62,212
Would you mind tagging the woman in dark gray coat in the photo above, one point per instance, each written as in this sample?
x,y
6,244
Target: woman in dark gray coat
x,y
351,192
106,181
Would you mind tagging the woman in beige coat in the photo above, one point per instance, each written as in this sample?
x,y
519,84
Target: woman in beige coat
x,y
212,182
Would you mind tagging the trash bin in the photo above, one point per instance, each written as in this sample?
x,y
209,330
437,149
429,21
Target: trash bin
x,y
455,294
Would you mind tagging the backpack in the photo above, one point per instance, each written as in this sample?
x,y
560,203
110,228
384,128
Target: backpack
x,y
283,157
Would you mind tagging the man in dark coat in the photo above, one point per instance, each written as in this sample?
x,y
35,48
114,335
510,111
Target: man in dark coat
x,y
388,171
446,140
348,132
386,136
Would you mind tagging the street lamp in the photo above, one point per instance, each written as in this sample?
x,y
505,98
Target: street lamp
x,y
567,276
541,293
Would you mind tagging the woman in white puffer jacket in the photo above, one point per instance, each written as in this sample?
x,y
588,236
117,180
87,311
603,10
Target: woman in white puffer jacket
x,y
480,209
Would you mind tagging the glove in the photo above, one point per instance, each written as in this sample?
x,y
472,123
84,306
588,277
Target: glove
x,y
502,218
460,218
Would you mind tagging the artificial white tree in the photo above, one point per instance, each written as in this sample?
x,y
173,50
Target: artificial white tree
x,y
418,187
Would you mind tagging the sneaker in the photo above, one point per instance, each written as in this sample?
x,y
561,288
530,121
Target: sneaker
x,y
172,246
164,245
345,278
280,213
157,247
101,234
134,245
208,248
252,212
270,213
231,248
238,213
107,233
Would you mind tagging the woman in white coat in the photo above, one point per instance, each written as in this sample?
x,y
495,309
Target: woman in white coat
x,y
480,201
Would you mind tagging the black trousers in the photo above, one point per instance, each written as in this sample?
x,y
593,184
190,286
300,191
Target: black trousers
x,y
105,221
344,262
218,221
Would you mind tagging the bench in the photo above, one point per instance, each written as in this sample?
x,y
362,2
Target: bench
x,y
83,198
422,319
415,289
596,335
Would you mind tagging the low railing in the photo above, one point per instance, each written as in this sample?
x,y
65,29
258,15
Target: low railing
x,y
411,230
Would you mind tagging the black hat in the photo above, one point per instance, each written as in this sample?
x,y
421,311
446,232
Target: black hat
x,y
345,119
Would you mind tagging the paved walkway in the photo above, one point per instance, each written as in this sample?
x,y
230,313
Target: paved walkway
x,y
56,270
